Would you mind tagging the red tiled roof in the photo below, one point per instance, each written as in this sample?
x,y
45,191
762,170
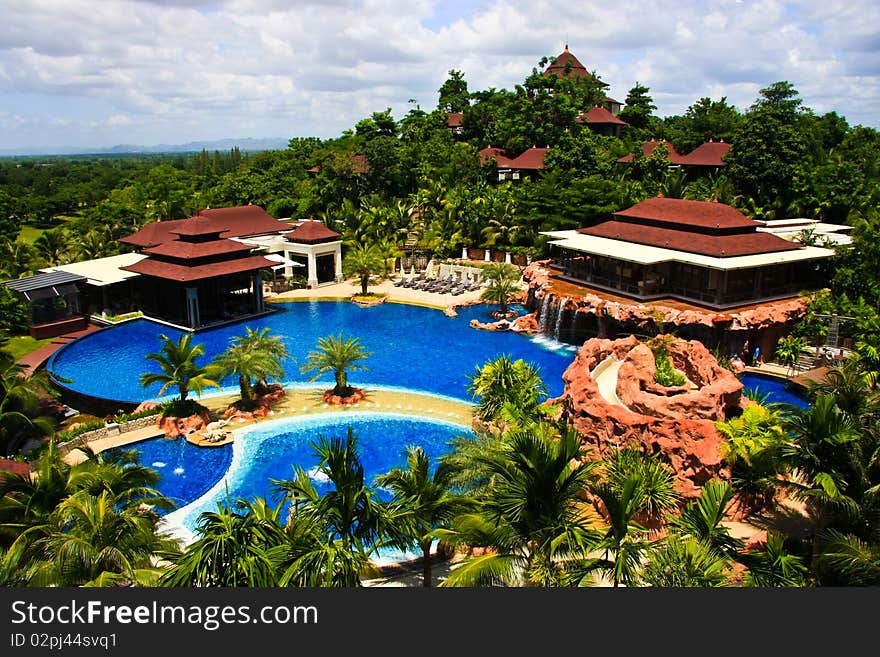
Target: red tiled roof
x,y
689,214
502,157
184,274
531,159
312,232
718,246
710,154
598,116
453,119
191,250
558,67
608,99
648,147
14,467
239,221
198,225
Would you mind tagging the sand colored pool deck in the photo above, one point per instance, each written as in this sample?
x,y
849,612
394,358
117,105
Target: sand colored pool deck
x,y
300,402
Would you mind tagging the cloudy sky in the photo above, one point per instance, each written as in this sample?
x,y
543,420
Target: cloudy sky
x,y
95,73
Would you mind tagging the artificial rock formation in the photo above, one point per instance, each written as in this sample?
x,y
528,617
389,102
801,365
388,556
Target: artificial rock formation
x,y
357,395
261,405
676,422
174,427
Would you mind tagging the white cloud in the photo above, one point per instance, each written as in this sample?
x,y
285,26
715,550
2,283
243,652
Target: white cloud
x,y
166,71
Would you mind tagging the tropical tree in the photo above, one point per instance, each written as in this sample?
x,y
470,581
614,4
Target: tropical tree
x,y
352,523
177,360
851,561
503,283
531,515
336,354
20,415
255,355
774,565
680,561
701,519
505,382
232,548
789,351
363,260
427,498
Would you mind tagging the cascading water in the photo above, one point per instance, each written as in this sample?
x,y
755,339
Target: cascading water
x,y
558,324
543,313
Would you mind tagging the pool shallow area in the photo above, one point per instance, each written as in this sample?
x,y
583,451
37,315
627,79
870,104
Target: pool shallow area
x,y
186,472
412,347
777,389
270,450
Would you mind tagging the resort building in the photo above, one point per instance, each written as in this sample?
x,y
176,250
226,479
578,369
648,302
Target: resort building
x,y
54,303
194,277
708,157
701,252
453,122
527,163
603,121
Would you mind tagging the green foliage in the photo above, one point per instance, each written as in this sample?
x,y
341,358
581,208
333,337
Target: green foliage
x,y
337,354
503,382
177,361
255,355
664,373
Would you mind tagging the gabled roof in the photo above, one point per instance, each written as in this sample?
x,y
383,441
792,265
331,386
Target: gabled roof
x,y
502,157
181,250
198,226
599,116
559,66
530,160
312,232
684,213
184,274
718,245
648,147
238,221
710,154
453,119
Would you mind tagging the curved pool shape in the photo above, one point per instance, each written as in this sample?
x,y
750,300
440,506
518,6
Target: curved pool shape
x,y
777,389
186,472
270,449
412,347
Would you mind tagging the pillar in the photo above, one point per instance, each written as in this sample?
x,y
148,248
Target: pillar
x,y
192,307
337,260
257,282
288,270
507,257
464,253
487,255
312,270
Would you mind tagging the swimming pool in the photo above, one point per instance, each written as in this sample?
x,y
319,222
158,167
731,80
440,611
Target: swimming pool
x,y
270,449
777,389
186,472
412,347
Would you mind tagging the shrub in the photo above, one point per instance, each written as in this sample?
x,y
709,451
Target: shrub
x,y
665,374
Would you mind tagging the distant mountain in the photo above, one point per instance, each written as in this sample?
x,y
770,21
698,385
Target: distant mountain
x,y
247,144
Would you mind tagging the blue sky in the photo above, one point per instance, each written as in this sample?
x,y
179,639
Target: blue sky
x,y
173,71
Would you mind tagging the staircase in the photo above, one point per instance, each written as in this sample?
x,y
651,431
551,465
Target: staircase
x,y
807,361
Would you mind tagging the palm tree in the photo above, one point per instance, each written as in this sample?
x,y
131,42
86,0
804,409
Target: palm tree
x,y
505,382
90,540
351,521
702,518
680,561
531,515
363,260
851,560
255,355
177,361
52,246
426,497
336,354
503,283
774,566
232,548
789,351
20,416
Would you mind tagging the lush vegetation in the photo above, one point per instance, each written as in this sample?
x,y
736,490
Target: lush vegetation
x,y
513,497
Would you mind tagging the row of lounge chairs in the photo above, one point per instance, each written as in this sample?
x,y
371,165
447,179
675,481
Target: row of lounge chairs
x,y
449,285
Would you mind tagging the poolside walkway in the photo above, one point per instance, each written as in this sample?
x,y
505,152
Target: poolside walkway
x,y
35,359
346,289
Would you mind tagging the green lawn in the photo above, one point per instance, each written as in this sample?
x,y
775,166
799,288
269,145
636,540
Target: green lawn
x,y
30,234
24,344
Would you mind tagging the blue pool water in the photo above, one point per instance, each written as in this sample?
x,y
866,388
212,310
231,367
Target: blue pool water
x,y
186,472
412,347
778,390
270,449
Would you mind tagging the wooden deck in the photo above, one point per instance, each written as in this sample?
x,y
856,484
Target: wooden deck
x,y
34,360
